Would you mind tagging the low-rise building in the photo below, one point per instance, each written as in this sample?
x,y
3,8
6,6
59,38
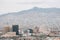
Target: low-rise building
x,y
9,34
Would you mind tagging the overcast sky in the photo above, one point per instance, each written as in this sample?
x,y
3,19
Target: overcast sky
x,y
7,6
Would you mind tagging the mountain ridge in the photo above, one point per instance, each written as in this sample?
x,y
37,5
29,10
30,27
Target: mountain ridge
x,y
33,17
38,9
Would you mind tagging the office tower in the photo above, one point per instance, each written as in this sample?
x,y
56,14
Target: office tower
x,y
30,31
6,29
15,29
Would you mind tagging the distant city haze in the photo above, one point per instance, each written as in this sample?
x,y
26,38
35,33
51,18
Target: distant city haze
x,y
41,17
8,6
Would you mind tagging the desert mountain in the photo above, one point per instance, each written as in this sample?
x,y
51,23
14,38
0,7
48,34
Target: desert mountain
x,y
41,17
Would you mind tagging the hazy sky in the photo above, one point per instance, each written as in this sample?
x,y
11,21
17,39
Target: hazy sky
x,y
7,6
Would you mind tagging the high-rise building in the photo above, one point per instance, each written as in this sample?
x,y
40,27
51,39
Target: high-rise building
x,y
15,29
30,31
